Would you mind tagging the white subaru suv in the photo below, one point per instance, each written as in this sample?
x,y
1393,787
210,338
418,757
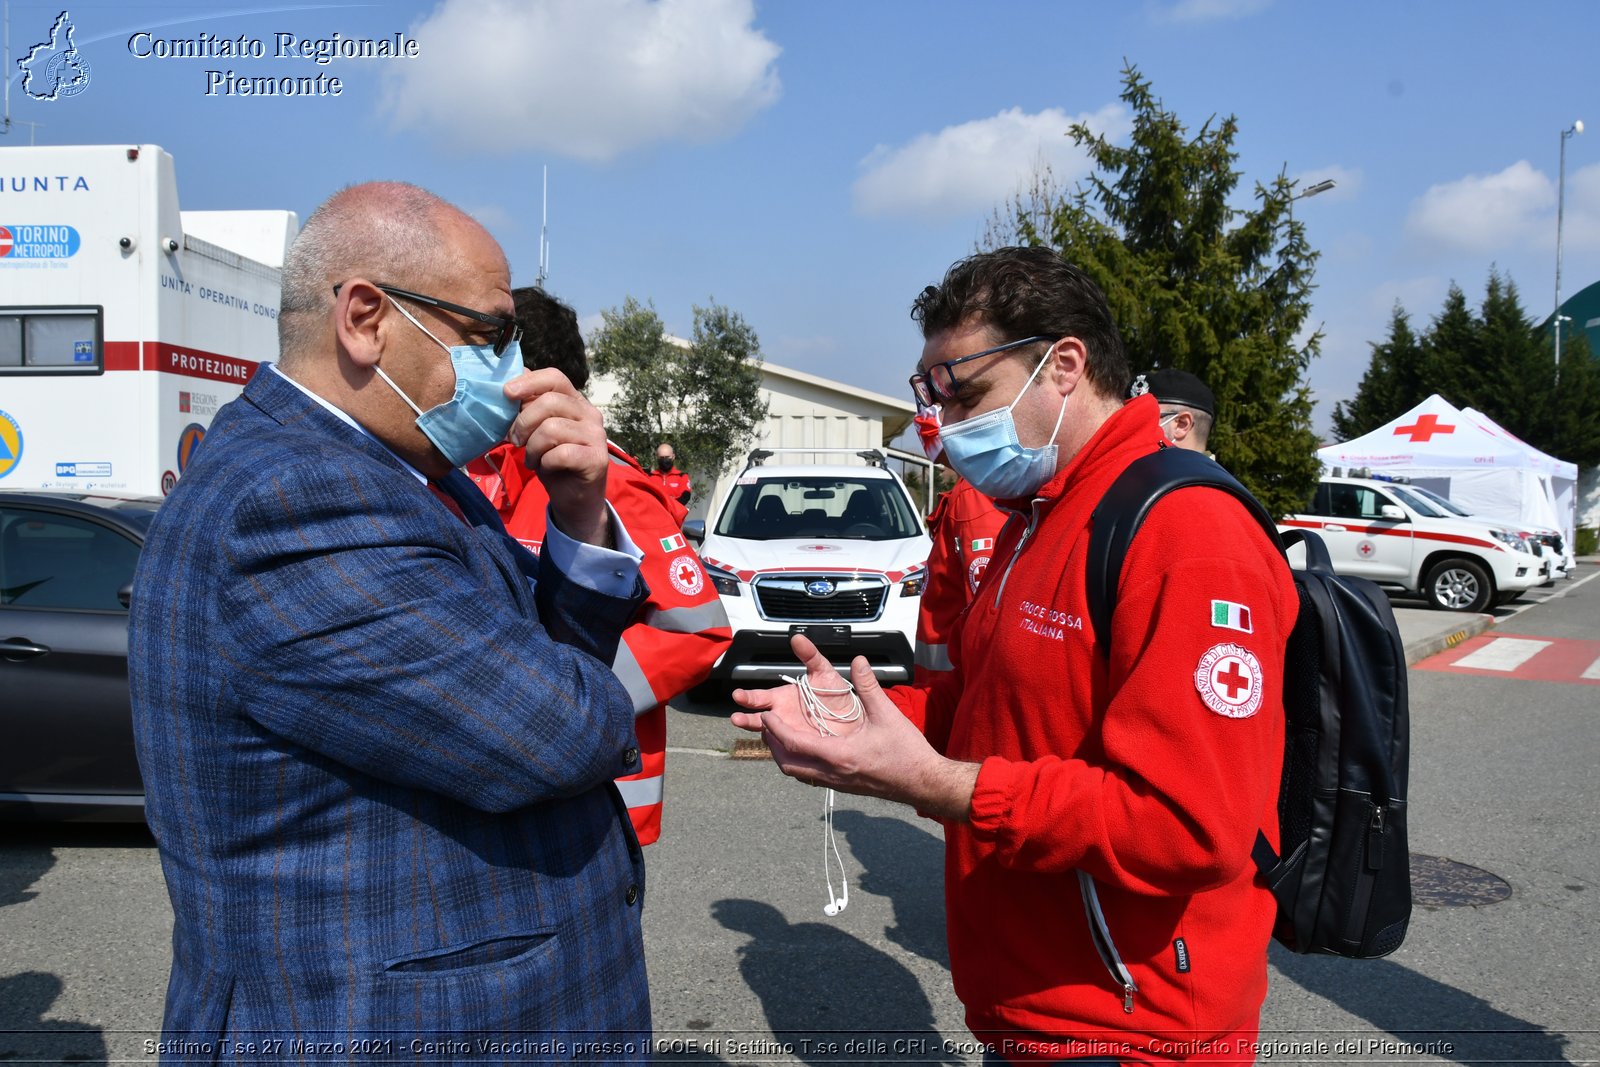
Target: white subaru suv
x,y
1384,531
834,551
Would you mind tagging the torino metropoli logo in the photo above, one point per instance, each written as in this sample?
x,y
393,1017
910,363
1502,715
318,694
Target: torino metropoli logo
x,y
285,47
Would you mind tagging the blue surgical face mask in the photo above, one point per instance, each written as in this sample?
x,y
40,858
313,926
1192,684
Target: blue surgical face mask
x,y
986,451
479,415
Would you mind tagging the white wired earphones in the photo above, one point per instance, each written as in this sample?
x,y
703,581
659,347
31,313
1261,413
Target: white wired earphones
x,y
819,715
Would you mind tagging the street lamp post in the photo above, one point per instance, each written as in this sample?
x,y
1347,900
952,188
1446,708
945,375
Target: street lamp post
x,y
1312,190
1309,191
1561,202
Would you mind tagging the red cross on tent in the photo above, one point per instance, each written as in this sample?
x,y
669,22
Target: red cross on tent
x,y
1424,428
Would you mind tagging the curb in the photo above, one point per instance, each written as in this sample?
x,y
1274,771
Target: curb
x,y
1421,650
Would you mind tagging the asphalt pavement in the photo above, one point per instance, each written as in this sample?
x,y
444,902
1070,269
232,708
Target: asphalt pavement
x,y
1427,631
745,968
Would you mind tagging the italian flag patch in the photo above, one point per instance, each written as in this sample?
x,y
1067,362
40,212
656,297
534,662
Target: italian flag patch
x,y
1227,615
981,543
673,543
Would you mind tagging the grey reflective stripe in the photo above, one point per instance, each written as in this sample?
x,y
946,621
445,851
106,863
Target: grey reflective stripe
x,y
641,792
690,620
934,657
619,461
631,675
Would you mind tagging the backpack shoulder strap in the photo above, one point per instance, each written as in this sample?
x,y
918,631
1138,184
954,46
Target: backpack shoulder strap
x,y
1123,509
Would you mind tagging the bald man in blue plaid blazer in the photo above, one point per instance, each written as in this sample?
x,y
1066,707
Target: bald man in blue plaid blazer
x,y
378,738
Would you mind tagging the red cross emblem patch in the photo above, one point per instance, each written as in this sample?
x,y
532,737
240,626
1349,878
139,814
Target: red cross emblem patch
x,y
975,572
686,575
1228,679
1365,549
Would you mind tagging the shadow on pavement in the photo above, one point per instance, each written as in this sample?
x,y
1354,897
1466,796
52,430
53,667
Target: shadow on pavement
x,y
20,867
27,855
828,996
27,1036
905,863
1421,1011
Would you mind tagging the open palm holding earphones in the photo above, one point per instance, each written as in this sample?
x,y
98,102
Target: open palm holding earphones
x,y
880,753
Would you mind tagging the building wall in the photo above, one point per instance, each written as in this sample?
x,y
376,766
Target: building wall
x,y
802,414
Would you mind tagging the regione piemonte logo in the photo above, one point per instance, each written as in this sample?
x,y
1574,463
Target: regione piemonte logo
x,y
54,69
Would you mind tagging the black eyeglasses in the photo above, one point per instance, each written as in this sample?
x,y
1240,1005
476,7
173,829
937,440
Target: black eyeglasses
x,y
938,384
510,331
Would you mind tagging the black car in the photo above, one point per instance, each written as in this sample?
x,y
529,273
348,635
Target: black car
x,y
66,573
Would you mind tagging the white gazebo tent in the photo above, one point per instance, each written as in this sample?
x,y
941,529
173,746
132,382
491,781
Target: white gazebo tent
x,y
1478,464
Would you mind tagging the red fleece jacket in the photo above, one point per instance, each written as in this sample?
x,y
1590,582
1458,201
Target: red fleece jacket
x,y
1149,771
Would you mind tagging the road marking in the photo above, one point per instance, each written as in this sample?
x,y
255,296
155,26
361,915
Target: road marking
x,y
1502,654
1520,659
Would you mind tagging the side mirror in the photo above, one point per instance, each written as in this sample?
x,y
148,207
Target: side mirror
x,y
125,594
695,530
1393,512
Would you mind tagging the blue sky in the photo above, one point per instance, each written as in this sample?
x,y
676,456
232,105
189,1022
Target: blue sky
x,y
812,164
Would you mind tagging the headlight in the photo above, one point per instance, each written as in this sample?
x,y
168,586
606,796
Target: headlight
x,y
1507,538
915,582
725,582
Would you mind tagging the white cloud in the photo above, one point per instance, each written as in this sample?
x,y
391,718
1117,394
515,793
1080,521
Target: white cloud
x,y
589,325
1209,10
976,165
588,79
1483,213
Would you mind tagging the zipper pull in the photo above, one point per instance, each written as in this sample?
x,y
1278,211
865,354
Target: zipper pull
x,y
1127,998
1375,841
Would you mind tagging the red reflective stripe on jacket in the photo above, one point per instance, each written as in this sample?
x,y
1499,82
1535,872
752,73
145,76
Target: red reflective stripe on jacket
x,y
674,645
964,518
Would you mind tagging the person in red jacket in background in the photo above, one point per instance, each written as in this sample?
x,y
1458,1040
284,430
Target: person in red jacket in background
x,y
964,526
673,482
682,629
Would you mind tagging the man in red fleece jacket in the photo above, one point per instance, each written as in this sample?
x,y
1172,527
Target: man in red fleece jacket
x,y
1099,805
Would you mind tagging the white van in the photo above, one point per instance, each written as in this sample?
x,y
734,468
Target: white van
x,y
836,551
125,323
1381,530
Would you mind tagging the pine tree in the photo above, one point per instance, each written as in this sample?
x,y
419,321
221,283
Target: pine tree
x,y
1193,282
1574,413
1514,369
1494,360
1393,378
1450,351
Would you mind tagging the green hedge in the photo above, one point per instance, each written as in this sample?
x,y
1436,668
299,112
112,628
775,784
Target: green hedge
x,y
1588,540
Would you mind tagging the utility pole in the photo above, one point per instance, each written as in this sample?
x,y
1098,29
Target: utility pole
x,y
1561,201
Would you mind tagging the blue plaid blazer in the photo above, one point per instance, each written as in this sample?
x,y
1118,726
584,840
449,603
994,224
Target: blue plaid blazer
x,y
378,761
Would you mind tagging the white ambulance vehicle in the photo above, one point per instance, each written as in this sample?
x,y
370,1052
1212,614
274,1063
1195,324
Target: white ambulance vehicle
x,y
125,323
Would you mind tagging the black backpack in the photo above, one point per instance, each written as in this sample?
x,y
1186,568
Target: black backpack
x,y
1343,883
